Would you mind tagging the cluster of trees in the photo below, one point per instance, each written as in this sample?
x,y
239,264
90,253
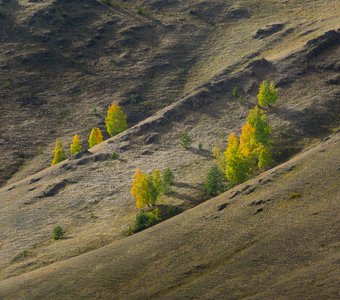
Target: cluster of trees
x,y
148,187
248,153
115,122
251,150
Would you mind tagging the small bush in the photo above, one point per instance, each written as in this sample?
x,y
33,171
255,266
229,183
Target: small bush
x,y
200,146
294,195
107,2
115,155
58,233
141,11
21,255
145,220
267,95
214,184
168,180
235,93
185,140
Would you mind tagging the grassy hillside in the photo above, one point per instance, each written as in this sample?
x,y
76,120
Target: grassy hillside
x,y
62,63
273,237
173,66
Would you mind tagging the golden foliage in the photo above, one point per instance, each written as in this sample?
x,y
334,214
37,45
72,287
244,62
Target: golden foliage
x,y
96,137
115,120
59,152
76,145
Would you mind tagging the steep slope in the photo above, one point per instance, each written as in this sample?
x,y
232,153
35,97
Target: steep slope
x,y
276,236
63,62
89,196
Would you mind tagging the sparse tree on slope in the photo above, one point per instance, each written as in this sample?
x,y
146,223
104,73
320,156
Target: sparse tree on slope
x,y
139,188
168,180
258,120
219,158
96,137
147,188
248,144
185,140
59,152
214,184
76,145
238,167
267,95
115,120
265,158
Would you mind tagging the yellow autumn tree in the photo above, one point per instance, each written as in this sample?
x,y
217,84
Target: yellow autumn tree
x,y
115,120
139,188
238,167
76,145
247,141
96,137
147,187
59,152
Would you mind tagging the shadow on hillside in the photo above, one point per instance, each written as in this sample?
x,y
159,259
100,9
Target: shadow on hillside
x,y
313,120
185,185
201,152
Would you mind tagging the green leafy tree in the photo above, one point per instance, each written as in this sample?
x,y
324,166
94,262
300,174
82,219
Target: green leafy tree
x,y
96,137
185,140
59,152
168,180
258,120
267,95
235,92
219,158
214,184
265,158
145,220
115,120
58,233
76,145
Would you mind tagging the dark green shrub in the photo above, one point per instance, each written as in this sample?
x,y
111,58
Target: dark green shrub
x,y
115,155
2,13
107,2
145,220
22,255
214,184
141,11
235,92
58,233
168,180
185,140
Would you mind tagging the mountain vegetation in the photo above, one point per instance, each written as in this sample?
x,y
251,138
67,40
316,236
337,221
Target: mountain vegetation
x,y
195,148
